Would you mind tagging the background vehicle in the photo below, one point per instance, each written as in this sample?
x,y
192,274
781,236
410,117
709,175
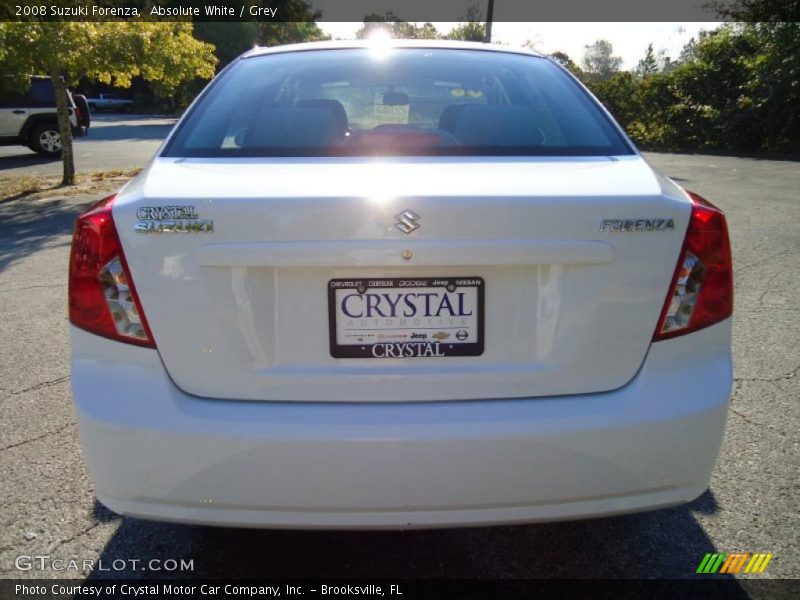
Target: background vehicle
x,y
109,102
31,119
563,348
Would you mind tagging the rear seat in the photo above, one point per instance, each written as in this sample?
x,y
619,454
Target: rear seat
x,y
480,125
296,127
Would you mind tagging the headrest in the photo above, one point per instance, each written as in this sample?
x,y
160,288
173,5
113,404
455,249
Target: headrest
x,y
481,125
334,106
295,127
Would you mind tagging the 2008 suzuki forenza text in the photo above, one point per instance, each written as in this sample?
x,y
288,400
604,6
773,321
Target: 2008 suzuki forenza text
x,y
407,284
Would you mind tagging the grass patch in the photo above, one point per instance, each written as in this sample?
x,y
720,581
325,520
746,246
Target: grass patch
x,y
114,174
26,185
36,187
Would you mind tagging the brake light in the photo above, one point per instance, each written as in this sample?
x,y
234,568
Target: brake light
x,y
102,297
701,293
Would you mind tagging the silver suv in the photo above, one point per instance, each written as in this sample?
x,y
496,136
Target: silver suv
x,y
31,119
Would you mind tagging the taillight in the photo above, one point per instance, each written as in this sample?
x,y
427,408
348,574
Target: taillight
x,y
701,293
102,297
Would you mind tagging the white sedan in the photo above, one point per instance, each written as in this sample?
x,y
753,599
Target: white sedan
x,y
405,284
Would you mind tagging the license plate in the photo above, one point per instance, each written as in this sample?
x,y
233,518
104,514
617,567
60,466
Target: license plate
x,y
424,317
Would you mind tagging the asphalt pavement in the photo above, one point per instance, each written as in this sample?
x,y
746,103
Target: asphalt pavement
x,y
115,142
752,504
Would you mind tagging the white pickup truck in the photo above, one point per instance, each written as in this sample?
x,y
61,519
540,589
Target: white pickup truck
x,y
109,102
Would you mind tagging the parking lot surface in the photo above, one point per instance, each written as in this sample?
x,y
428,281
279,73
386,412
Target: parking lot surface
x,y
752,504
119,142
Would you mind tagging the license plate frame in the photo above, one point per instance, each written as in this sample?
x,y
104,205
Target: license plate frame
x,y
430,347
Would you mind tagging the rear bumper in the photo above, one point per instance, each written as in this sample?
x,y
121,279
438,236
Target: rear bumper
x,y
156,452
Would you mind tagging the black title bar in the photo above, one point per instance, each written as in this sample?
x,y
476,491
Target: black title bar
x,y
406,10
718,587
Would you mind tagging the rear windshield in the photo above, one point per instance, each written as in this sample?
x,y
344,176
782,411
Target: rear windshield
x,y
402,101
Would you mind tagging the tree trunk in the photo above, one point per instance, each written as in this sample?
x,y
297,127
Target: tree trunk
x,y
65,129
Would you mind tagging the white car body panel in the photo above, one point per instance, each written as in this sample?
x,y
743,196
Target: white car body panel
x,y
569,309
242,417
156,452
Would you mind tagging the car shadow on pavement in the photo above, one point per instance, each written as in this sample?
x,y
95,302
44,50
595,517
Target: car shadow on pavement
x,y
122,131
27,227
25,159
667,543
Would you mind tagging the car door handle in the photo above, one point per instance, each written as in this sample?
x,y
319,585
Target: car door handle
x,y
19,112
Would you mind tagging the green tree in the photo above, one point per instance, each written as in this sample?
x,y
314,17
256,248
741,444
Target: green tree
x,y
565,61
397,28
114,52
620,95
741,89
293,32
471,30
648,65
230,39
759,11
734,89
599,60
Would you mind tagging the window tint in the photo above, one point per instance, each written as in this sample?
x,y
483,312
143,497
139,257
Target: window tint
x,y
10,99
42,93
406,101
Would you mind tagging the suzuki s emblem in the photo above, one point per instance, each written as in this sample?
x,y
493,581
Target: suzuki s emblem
x,y
407,221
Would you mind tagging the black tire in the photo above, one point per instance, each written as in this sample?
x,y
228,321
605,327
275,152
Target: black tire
x,y
86,113
45,139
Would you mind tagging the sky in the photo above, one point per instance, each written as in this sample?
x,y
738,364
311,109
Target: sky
x,y
629,40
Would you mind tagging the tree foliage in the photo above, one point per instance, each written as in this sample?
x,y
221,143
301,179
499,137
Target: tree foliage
x,y
565,61
230,39
734,89
396,28
649,64
599,60
112,52
471,30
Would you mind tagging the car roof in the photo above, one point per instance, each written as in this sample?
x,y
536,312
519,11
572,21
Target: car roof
x,y
391,43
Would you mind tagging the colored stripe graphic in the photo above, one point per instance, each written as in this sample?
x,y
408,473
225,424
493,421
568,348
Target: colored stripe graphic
x,y
735,562
758,563
711,563
720,562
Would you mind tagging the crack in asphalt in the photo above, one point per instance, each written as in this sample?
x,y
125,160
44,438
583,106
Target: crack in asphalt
x,y
37,438
768,288
58,543
790,375
43,384
784,252
757,423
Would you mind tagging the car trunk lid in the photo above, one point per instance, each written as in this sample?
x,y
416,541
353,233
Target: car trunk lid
x,y
240,307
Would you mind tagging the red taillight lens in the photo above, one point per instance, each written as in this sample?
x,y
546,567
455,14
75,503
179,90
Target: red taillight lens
x,y
701,293
102,297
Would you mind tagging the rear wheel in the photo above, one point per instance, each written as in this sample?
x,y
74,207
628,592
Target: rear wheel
x,y
45,139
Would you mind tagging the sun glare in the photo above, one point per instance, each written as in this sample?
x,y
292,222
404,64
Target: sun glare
x,y
379,42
